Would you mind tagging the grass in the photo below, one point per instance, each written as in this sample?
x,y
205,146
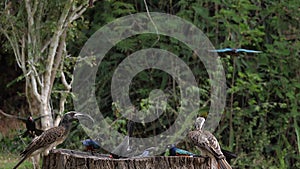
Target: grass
x,y
8,161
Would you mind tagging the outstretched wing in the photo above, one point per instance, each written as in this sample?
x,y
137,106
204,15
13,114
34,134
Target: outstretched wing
x,y
222,50
248,51
12,116
39,118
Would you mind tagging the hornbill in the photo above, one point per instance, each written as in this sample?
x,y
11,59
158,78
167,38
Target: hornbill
x,y
31,129
51,137
208,144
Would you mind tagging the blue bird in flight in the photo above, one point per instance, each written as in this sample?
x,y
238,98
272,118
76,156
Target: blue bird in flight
x,y
234,50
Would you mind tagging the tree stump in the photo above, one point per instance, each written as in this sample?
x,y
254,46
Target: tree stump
x,y
70,159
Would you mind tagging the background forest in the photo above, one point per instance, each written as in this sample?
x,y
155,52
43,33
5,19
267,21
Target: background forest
x,y
261,119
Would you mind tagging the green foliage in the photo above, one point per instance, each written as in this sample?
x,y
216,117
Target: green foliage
x,y
8,161
262,108
261,119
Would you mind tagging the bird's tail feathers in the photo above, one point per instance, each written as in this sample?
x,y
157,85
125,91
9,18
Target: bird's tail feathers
x,y
223,164
38,132
20,162
130,128
228,154
25,134
27,152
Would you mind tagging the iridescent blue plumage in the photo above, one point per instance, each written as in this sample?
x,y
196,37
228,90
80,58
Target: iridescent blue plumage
x,y
174,151
235,50
90,144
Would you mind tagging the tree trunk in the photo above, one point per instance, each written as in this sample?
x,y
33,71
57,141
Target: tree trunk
x,y
45,111
65,159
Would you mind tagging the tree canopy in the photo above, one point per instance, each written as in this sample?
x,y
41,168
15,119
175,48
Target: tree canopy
x,y
261,118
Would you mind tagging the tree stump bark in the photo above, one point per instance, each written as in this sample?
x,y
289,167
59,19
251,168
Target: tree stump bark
x,y
69,159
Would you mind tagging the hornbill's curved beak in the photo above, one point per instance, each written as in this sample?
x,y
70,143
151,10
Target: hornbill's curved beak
x,y
80,116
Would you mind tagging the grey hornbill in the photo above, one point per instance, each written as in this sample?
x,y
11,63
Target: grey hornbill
x,y
208,144
51,137
31,129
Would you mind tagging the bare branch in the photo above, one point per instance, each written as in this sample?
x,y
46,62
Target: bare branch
x,y
42,43
55,38
64,81
63,97
63,77
9,115
61,52
77,12
34,87
14,47
46,45
40,10
29,13
23,66
35,5
40,82
27,74
155,27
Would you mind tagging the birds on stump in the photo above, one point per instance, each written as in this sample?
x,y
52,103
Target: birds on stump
x,y
51,137
208,145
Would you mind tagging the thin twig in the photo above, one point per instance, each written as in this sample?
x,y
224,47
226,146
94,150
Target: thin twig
x,y
8,115
155,27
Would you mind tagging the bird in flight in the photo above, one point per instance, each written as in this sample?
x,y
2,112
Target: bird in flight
x,y
234,50
51,137
208,144
31,129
